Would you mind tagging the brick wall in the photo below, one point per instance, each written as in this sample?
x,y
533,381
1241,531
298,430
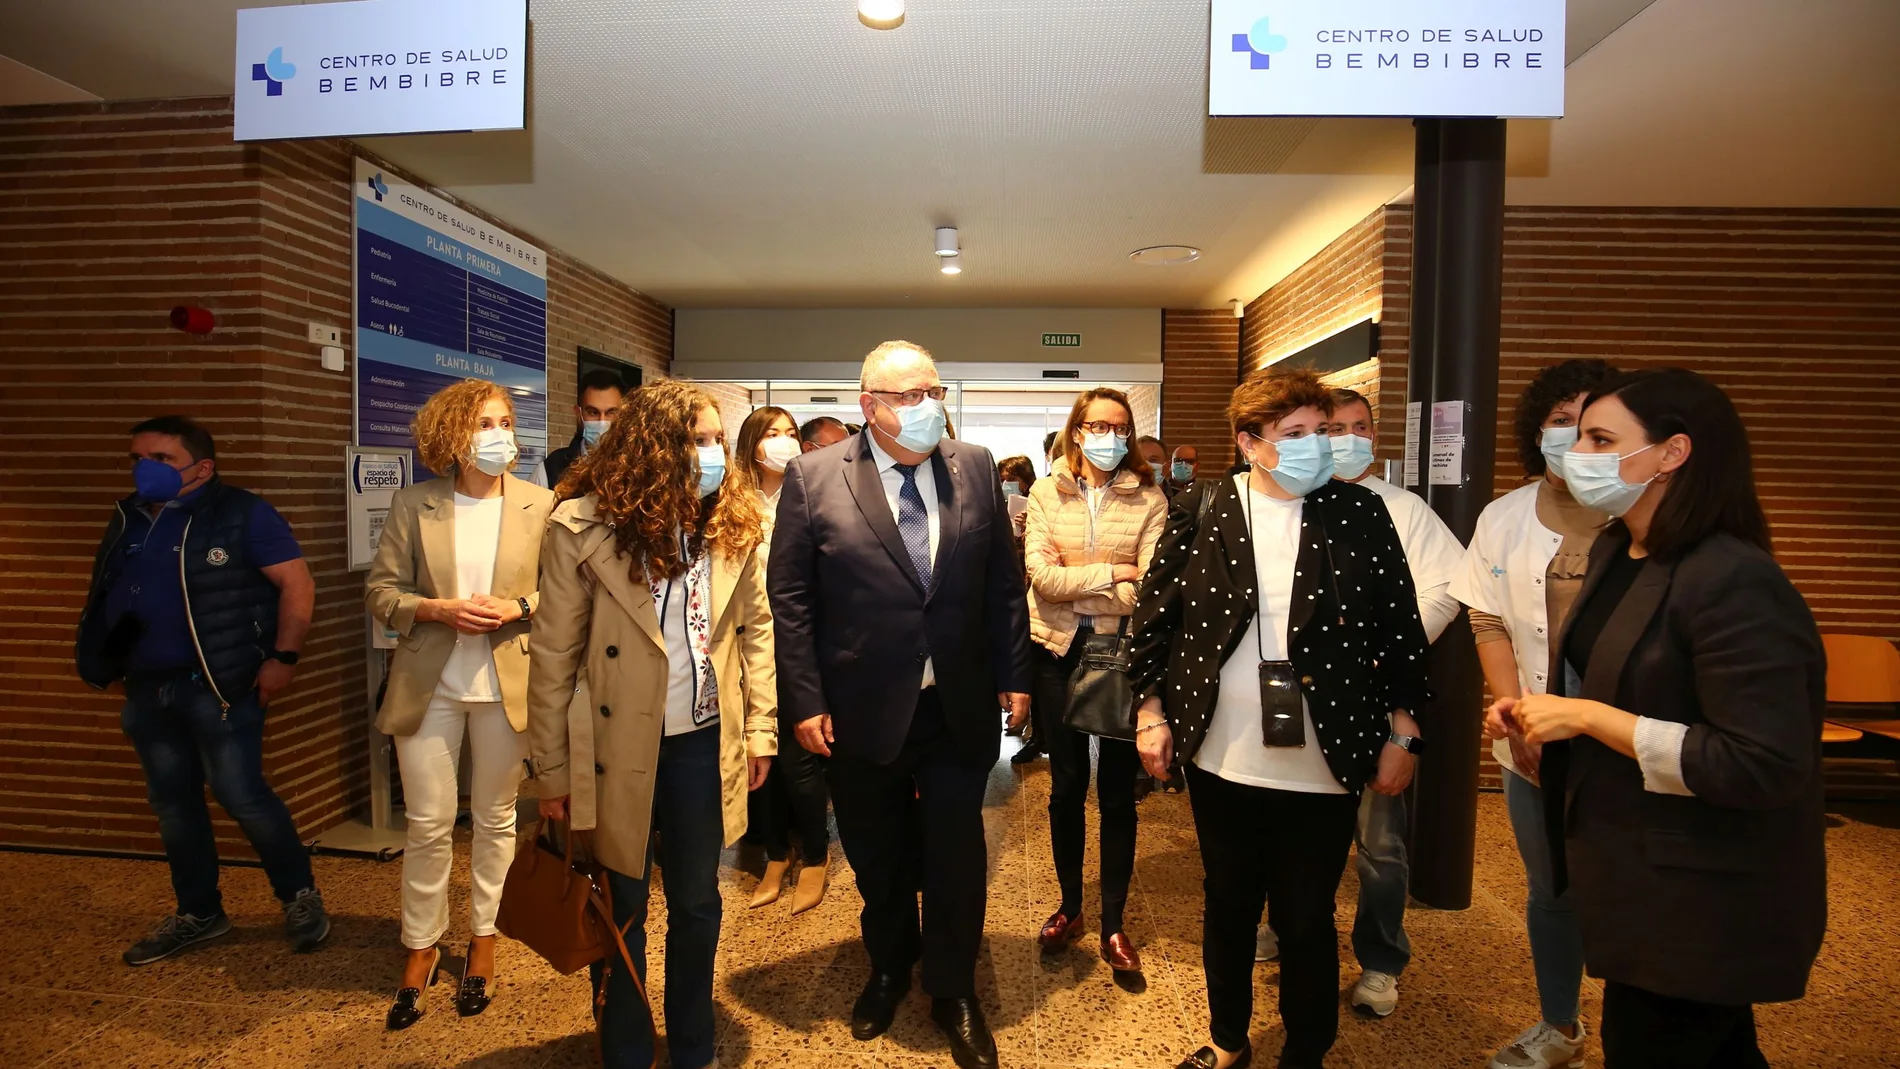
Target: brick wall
x,y
109,216
1199,355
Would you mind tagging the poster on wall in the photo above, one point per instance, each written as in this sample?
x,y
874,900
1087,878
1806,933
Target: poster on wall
x,y
441,296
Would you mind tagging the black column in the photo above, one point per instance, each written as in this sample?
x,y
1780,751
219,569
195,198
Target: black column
x,y
1468,306
1418,368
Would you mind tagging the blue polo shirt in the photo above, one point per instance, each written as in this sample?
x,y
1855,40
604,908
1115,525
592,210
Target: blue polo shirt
x,y
146,577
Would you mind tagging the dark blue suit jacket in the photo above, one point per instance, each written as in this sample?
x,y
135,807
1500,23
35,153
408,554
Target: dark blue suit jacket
x,y
853,624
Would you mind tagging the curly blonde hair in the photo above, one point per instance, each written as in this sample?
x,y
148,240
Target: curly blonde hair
x,y
446,423
644,476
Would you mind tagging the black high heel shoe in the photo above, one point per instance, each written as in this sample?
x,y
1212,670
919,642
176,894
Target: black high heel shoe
x,y
472,997
407,1009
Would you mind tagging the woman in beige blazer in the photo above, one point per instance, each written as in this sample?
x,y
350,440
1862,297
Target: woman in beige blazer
x,y
1090,532
652,704
455,576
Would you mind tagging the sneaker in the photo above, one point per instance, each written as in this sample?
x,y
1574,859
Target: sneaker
x,y
1266,945
1376,993
305,923
174,934
1542,1047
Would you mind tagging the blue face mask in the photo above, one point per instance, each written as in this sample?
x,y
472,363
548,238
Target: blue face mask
x,y
1160,470
1555,444
156,481
1012,488
1352,455
592,429
1105,451
712,469
1305,463
919,427
1181,472
1596,481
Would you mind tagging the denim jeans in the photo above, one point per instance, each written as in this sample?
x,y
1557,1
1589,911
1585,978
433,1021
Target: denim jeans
x,y
687,808
184,740
1378,932
1556,943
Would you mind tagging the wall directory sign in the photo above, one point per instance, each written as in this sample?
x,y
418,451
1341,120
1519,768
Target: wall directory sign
x,y
441,296
380,67
1421,58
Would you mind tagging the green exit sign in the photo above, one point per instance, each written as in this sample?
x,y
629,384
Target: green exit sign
x,y
1062,341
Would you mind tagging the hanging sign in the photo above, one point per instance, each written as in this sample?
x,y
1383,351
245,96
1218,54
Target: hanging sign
x,y
1407,58
441,296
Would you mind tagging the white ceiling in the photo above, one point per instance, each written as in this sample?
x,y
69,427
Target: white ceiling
x,y
777,153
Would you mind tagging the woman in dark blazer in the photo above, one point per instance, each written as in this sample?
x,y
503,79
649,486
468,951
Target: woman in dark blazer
x,y
1686,735
1245,587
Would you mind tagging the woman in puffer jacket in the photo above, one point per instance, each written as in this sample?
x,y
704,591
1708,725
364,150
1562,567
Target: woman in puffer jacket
x,y
1091,529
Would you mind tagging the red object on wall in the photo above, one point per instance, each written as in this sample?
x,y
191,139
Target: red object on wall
x,y
193,320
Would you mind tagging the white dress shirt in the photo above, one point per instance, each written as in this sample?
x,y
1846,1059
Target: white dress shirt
x,y
469,674
1434,553
926,479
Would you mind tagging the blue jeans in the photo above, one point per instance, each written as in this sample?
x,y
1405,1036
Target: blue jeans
x,y
1556,943
184,740
687,809
1378,932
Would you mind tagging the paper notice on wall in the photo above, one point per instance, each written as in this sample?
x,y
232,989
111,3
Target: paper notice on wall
x,y
1414,415
1447,459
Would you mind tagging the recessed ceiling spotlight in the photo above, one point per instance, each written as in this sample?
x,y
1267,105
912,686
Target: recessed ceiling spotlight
x,y
881,14
1165,255
951,264
947,241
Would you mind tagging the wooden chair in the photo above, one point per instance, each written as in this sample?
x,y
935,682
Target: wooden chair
x,y
1862,670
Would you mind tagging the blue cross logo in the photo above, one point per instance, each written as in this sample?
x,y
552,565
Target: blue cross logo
x,y
1260,43
377,187
1497,572
273,72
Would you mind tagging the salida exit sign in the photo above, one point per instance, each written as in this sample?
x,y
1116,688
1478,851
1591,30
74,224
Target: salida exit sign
x,y
1062,341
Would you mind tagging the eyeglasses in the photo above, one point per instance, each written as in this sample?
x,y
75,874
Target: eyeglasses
x,y
913,397
1101,426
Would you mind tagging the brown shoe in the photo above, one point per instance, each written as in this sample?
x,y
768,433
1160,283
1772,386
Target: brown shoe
x,y
810,888
1059,931
771,884
1120,953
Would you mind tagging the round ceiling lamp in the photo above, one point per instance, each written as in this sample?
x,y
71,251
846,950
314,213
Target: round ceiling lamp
x,y
946,241
951,264
881,14
1165,255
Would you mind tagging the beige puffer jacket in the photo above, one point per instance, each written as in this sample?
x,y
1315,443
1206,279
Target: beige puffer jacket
x,y
1071,557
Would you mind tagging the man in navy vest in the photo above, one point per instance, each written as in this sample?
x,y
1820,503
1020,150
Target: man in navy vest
x,y
200,600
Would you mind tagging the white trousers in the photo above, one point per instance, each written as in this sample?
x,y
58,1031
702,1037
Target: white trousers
x,y
428,760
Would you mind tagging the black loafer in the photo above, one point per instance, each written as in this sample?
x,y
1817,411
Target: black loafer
x,y
407,1009
876,1007
472,997
1207,1058
971,1045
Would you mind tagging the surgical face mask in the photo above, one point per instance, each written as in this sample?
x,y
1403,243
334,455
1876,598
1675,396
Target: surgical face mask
x,y
1555,445
919,427
1596,481
1105,451
778,452
1352,455
712,468
156,481
1305,463
1160,470
1181,472
494,450
1012,488
592,429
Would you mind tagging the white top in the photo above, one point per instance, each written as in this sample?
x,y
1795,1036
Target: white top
x,y
926,479
1233,747
1434,553
1503,574
682,681
469,674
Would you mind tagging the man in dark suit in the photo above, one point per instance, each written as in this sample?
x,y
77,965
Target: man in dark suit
x,y
902,626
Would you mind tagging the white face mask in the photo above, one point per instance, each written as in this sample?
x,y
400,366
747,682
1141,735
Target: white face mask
x,y
1555,444
775,453
494,450
1596,481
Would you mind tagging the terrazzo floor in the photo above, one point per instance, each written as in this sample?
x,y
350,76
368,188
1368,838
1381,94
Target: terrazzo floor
x,y
785,985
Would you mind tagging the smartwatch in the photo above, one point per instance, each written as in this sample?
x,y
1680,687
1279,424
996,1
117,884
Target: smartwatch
x,y
526,611
286,656
1411,744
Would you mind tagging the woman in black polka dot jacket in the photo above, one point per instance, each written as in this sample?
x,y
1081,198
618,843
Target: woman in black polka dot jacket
x,y
1246,588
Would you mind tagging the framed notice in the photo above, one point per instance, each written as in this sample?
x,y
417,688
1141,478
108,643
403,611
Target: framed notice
x,y
441,296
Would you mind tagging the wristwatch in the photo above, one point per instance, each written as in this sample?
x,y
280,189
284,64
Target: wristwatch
x,y
526,611
1411,744
286,656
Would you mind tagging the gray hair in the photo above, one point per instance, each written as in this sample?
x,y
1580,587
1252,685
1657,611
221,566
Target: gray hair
x,y
879,362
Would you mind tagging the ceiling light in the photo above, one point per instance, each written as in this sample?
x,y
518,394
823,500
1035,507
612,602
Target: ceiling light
x,y
947,241
1165,255
951,264
881,14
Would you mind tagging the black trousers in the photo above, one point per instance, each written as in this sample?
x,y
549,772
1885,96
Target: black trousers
x,y
1069,791
794,799
1284,850
917,822
1643,1029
